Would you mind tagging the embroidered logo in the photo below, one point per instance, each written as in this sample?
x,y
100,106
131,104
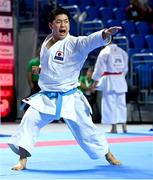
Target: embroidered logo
x,y
59,56
118,62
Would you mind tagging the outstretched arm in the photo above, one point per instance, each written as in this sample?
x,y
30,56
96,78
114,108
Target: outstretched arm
x,y
95,40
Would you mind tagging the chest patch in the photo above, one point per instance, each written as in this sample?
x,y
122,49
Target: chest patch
x,y
59,57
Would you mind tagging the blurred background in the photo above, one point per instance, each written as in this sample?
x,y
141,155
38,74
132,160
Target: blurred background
x,y
23,27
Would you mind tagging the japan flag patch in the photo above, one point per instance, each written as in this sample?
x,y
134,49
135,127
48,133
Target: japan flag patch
x,y
59,57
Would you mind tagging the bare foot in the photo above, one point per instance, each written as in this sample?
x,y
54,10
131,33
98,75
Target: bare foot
x,y
111,159
21,165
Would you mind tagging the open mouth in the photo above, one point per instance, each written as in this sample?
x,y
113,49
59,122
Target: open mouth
x,y
62,31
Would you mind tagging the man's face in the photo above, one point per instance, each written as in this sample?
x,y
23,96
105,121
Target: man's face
x,y
60,26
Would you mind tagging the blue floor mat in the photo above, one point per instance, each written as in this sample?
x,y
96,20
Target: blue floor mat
x,y
71,162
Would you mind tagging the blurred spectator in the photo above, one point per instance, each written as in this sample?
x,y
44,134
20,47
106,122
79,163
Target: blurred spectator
x,y
139,10
86,83
134,11
33,78
146,10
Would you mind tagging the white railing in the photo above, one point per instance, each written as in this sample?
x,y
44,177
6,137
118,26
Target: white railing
x,y
88,27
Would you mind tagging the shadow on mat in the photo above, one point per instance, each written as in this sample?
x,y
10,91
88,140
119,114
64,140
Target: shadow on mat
x,y
109,170
5,135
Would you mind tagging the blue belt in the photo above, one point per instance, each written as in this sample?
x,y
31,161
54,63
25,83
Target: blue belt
x,y
58,96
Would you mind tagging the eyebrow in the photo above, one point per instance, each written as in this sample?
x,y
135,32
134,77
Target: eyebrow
x,y
62,19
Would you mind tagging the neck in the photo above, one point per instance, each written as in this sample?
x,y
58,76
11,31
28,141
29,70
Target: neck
x,y
53,40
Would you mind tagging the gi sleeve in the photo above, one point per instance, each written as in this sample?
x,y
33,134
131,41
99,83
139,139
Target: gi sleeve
x,y
125,55
93,41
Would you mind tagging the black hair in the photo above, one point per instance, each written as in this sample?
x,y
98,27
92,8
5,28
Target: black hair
x,y
57,12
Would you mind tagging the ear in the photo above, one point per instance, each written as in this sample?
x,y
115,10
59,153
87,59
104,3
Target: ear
x,y
50,25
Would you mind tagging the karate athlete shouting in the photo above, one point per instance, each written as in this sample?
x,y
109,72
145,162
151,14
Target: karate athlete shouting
x,y
62,57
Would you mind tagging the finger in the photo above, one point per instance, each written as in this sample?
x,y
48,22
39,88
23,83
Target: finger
x,y
115,29
118,27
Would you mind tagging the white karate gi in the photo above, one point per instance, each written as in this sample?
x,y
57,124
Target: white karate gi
x,y
60,69
112,59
